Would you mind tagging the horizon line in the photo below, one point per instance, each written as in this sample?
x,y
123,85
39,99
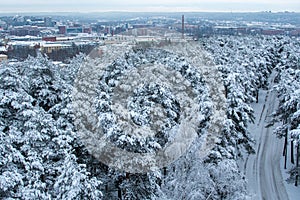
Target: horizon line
x,y
129,11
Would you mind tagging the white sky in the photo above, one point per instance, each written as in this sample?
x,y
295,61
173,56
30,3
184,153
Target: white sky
x,y
148,5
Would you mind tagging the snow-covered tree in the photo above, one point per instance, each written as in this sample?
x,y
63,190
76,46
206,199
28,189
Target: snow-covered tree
x,y
37,133
74,181
288,113
287,87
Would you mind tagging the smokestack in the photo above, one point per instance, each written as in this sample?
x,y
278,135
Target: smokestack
x,y
182,28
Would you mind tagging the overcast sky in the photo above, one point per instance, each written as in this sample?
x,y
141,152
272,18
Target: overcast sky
x,y
148,5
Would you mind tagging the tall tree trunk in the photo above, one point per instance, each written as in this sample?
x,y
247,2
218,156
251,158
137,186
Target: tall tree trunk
x,y
292,152
285,144
285,148
106,187
257,96
119,194
285,161
165,171
297,165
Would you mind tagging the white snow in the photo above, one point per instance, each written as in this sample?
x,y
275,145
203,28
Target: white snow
x,y
263,170
292,190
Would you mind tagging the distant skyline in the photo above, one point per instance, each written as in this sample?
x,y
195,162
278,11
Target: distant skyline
x,y
148,5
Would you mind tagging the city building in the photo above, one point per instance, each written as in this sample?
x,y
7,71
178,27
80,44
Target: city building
x,y
273,32
51,47
3,57
25,30
62,30
3,50
49,39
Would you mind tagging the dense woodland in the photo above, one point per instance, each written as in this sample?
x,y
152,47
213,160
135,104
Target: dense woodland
x,y
43,157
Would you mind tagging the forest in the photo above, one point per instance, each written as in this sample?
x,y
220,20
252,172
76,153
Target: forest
x,y
43,155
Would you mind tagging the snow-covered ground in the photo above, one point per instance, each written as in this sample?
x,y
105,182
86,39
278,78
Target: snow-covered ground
x,y
263,171
292,190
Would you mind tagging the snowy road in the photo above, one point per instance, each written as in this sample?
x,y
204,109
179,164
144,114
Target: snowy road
x,y
263,168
